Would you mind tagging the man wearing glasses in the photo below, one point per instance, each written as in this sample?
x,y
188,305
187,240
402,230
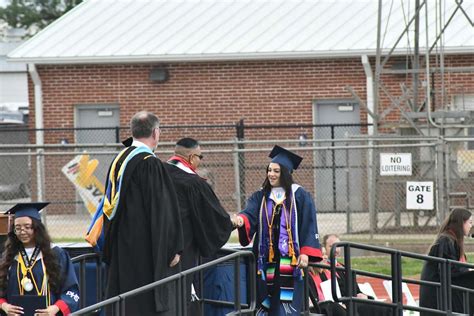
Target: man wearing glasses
x,y
206,224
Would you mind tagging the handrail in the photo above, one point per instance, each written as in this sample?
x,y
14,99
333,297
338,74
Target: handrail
x,y
119,300
82,260
396,277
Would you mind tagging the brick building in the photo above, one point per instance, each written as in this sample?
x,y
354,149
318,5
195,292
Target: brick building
x,y
216,62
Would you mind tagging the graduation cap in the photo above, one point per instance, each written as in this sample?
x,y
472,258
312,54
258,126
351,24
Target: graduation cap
x,y
27,209
285,158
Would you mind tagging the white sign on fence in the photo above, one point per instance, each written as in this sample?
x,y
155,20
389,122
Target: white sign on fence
x,y
80,171
420,195
392,164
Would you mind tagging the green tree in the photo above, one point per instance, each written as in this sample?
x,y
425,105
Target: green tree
x,y
33,15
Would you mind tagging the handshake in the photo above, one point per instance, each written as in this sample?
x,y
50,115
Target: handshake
x,y
237,221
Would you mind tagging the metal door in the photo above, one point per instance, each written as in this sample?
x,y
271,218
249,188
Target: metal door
x,y
98,124
338,173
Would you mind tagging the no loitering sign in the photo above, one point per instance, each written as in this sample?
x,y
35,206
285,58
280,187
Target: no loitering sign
x,y
395,164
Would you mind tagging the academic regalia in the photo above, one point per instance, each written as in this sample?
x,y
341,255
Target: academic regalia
x,y
284,227
67,299
143,232
447,248
26,275
206,224
305,241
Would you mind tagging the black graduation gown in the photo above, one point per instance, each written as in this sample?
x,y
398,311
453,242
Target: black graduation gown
x,y
206,224
445,247
144,236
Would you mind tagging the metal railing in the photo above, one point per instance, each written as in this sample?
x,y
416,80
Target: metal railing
x,y
82,261
444,287
118,303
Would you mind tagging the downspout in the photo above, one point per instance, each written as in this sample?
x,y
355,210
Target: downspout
x,y
39,126
371,171
370,93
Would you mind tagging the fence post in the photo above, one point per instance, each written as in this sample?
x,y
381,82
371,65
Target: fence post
x,y
442,161
40,180
240,130
117,134
371,187
348,190
238,193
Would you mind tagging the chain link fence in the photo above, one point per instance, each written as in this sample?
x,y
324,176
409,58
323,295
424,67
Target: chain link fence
x,y
342,172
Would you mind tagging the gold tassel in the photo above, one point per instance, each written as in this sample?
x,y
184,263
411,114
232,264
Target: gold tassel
x,y
271,255
293,261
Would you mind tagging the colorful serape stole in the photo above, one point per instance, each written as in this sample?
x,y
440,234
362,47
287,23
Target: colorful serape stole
x,y
286,279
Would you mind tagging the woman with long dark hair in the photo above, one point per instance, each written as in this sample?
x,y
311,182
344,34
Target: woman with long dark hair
x,y
449,244
33,271
282,217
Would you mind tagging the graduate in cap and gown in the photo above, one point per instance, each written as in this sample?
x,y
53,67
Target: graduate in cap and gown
x,y
32,266
281,218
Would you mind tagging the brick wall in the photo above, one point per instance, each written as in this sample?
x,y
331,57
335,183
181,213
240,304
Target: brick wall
x,y
261,92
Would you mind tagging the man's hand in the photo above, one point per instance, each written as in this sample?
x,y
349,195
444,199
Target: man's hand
x,y
12,310
237,221
175,260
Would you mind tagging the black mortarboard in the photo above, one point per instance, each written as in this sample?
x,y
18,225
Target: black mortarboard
x,y
27,209
285,158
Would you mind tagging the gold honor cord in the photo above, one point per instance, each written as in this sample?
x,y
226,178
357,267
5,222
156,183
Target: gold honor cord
x,y
25,280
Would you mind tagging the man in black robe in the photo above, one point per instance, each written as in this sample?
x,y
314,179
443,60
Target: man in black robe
x,y
143,230
206,224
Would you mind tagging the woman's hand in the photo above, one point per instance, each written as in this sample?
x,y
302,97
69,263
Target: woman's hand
x,y
237,221
303,261
50,311
12,310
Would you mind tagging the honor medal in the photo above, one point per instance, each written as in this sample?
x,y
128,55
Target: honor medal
x,y
27,284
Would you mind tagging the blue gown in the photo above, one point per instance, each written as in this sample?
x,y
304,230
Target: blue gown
x,y
304,228
67,299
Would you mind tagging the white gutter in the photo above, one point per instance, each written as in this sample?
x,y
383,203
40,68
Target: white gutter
x,y
213,56
370,92
38,91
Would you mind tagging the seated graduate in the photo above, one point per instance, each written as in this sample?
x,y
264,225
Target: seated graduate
x,y
449,244
33,271
319,275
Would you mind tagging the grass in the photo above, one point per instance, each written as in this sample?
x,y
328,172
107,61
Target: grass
x,y
68,240
410,267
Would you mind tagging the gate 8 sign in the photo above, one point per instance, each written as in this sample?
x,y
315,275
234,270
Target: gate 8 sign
x,y
420,195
